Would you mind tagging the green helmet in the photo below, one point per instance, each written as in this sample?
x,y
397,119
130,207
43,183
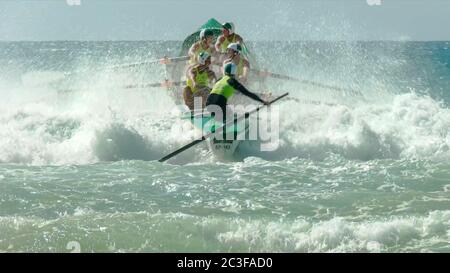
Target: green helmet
x,y
206,33
229,26
230,69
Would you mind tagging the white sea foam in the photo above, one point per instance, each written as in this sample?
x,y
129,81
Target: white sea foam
x,y
158,232
41,126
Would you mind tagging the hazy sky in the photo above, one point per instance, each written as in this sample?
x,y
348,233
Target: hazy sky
x,y
254,19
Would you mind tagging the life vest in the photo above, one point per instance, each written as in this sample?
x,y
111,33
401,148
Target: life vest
x,y
226,42
199,49
222,87
240,66
201,79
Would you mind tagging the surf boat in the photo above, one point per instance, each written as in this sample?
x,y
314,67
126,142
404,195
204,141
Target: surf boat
x,y
223,144
176,71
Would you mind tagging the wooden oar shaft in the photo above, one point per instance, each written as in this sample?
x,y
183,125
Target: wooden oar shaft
x,y
164,60
184,148
165,84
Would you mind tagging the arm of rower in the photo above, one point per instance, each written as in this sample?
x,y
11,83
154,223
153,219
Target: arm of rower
x,y
192,50
212,76
239,39
236,85
215,56
245,70
191,76
219,42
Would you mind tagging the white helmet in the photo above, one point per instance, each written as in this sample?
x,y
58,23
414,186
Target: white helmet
x,y
235,46
202,57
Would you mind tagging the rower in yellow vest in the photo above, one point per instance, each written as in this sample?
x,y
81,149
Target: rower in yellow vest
x,y
223,90
204,44
234,55
199,78
228,36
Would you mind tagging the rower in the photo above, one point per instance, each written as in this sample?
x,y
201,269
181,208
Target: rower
x,y
228,36
224,90
204,44
234,55
199,77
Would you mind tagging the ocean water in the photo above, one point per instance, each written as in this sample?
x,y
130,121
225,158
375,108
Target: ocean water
x,y
360,171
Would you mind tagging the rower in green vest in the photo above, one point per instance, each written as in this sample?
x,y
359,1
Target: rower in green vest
x,y
204,44
234,55
224,90
199,78
228,36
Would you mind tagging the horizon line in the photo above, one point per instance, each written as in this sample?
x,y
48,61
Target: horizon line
x,y
364,40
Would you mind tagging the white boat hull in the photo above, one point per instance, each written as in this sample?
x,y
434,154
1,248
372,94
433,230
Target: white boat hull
x,y
223,149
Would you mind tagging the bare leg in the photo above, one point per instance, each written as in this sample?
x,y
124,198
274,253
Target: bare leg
x,y
203,93
188,97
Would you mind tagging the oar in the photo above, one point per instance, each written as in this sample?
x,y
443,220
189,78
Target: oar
x,y
315,102
218,130
164,60
165,84
285,77
305,101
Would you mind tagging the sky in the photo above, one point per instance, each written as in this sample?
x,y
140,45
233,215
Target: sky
x,y
43,20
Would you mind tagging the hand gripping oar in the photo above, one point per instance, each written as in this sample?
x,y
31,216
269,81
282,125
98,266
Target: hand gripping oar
x,y
218,130
263,73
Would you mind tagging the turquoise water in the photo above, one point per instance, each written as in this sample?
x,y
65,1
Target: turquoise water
x,y
364,172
